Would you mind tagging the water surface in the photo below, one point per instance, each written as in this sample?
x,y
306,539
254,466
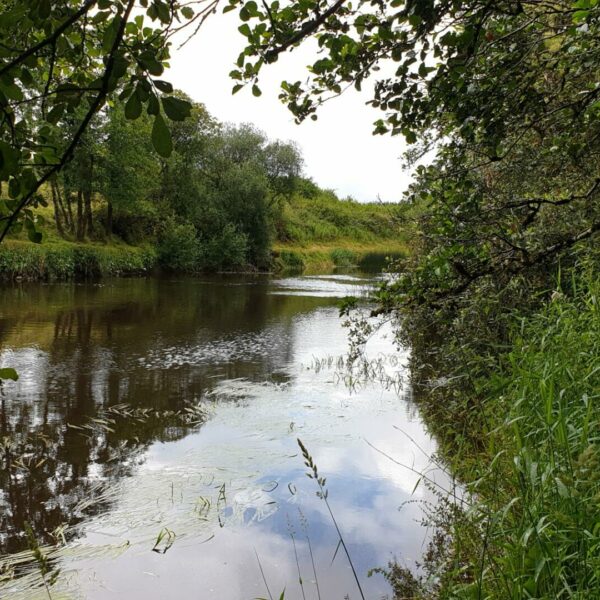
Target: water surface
x,y
168,409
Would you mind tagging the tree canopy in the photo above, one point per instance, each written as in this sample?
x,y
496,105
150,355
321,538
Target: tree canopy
x,y
507,94
60,63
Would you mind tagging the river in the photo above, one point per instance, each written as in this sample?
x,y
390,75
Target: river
x,y
151,441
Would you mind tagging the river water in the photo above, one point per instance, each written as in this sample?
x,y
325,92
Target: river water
x,y
150,442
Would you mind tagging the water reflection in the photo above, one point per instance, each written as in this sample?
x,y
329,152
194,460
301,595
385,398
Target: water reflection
x,y
104,437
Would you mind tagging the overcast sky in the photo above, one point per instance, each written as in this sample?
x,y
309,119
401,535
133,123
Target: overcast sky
x,y
339,150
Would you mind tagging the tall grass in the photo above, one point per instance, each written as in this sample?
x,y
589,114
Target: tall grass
x,y
544,517
323,494
532,526
325,218
62,260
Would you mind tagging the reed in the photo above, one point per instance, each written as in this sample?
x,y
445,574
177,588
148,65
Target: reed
x,y
531,527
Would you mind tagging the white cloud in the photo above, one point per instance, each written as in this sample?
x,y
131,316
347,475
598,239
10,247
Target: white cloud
x,y
339,149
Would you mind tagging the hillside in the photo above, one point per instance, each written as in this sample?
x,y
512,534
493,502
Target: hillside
x,y
318,231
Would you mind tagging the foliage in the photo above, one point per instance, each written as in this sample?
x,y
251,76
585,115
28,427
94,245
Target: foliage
x,y
312,215
211,205
228,250
127,166
529,526
60,63
63,260
343,257
507,94
178,248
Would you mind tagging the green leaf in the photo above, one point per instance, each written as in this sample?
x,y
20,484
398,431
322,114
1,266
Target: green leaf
x,y
55,114
44,9
9,160
176,109
8,373
149,62
163,86
187,12
110,34
11,90
34,236
153,105
246,31
161,137
133,107
162,9
256,91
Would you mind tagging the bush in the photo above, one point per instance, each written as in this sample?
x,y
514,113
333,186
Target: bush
x,y
526,442
289,261
343,258
179,248
227,250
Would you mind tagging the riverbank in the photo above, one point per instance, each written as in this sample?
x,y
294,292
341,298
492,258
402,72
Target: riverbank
x,y
514,414
324,257
63,260
312,235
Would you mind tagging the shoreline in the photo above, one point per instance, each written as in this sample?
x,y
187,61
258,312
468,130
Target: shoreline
x,y
58,261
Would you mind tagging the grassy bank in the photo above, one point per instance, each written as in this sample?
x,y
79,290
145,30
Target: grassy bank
x,y
314,232
317,231
525,439
314,258
62,260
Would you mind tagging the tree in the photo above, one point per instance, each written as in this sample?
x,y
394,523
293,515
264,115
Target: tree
x,y
64,60
505,92
128,169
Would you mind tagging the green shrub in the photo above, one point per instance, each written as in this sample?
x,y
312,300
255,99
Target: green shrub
x,y
343,258
530,520
179,248
227,250
289,261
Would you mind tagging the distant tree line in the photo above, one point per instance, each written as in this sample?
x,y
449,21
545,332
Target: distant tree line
x,y
211,204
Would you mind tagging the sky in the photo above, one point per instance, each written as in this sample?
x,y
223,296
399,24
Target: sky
x,y
339,150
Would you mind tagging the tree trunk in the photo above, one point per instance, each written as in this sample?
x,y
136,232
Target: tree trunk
x,y
87,195
87,225
80,221
69,202
57,217
109,219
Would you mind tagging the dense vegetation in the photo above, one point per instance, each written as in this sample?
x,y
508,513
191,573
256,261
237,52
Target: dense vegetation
x,y
210,205
89,126
220,201
499,301
315,230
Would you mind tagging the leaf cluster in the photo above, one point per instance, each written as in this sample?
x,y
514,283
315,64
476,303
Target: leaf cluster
x,y
61,62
